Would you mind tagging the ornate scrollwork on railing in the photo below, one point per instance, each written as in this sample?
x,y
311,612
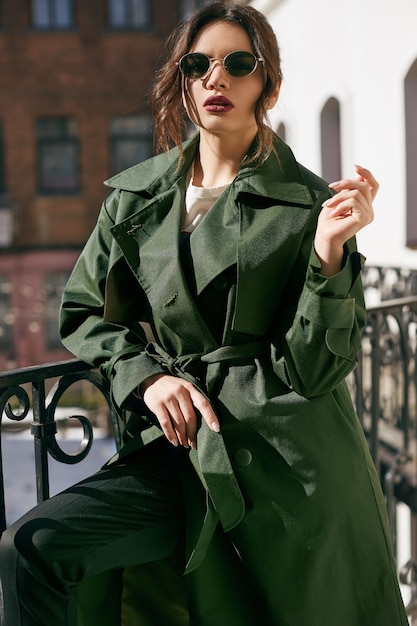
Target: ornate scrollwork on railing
x,y
52,403
386,377
384,389
23,407
388,283
17,415
44,424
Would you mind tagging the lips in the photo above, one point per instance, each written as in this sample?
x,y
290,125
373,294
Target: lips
x,y
218,104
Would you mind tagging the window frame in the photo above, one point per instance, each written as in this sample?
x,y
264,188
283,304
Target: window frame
x,y
3,186
189,6
51,17
410,106
143,137
331,140
70,141
128,22
6,338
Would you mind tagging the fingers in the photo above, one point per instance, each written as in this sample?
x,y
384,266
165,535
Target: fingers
x,y
342,217
354,197
366,176
366,183
177,419
175,403
351,203
350,188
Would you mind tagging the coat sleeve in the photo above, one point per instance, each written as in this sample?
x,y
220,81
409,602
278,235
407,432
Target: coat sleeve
x,y
116,348
321,343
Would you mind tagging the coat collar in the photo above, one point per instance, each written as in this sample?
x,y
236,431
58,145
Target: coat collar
x,y
158,174
279,177
265,199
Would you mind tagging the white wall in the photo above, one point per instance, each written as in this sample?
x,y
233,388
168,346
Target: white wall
x,y
359,52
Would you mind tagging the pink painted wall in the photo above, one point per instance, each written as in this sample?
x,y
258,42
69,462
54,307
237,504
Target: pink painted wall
x,y
26,273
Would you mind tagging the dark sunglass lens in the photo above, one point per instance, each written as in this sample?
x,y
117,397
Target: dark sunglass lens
x,y
240,63
194,65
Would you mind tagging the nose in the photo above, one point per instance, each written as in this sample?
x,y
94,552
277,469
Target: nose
x,y
217,76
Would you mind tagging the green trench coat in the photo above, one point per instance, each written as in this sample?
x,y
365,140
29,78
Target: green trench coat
x,y
294,530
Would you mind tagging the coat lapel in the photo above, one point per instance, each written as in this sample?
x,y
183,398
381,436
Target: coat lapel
x,y
150,242
214,242
251,219
258,223
274,207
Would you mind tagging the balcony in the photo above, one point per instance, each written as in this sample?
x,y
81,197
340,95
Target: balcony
x,y
383,386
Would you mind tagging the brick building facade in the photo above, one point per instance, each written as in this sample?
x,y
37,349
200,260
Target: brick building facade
x,y
74,84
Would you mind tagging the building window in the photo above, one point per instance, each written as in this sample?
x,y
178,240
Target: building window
x,y
6,209
282,131
6,317
53,287
57,156
331,159
189,6
2,165
131,141
52,14
129,14
410,99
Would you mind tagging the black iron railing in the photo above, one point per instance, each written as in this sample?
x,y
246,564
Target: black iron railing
x,y
384,388
24,390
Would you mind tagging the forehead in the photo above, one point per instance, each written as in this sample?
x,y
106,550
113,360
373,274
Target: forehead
x,y
220,38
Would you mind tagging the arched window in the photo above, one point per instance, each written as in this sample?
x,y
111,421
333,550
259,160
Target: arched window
x,y
331,160
410,93
2,165
281,131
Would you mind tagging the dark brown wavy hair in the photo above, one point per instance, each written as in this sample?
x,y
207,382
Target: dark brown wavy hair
x,y
167,105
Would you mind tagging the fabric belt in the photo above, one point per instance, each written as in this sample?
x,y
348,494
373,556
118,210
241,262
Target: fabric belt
x,y
211,460
182,365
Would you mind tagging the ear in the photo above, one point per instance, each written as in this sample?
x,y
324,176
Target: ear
x,y
273,98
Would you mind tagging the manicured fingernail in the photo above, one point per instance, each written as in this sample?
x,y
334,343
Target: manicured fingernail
x,y
215,427
335,184
174,442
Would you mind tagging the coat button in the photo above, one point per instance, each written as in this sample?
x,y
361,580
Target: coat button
x,y
242,457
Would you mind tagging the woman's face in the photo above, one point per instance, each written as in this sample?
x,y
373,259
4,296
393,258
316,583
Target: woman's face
x,y
220,103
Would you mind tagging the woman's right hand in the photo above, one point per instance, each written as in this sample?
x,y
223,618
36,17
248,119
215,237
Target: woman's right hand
x,y
174,402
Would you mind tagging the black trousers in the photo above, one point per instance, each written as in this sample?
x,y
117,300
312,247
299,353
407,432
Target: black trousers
x,y
128,513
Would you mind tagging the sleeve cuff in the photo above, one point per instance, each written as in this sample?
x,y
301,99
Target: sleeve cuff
x,y
339,285
326,302
129,373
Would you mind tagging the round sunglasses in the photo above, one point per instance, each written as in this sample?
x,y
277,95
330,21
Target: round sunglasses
x,y
196,65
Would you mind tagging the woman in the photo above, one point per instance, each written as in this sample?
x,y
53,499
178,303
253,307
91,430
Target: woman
x,y
237,421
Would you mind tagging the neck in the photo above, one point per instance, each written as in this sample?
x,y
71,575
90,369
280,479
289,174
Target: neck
x,y
218,161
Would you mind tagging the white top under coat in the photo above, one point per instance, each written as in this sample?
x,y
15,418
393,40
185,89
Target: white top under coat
x,y
198,201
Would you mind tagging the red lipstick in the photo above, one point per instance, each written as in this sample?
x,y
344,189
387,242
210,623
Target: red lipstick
x,y
218,104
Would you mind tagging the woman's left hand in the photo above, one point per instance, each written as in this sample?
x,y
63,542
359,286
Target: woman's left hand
x,y
343,216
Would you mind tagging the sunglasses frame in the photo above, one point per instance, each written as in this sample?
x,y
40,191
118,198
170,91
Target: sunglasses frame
x,y
223,60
